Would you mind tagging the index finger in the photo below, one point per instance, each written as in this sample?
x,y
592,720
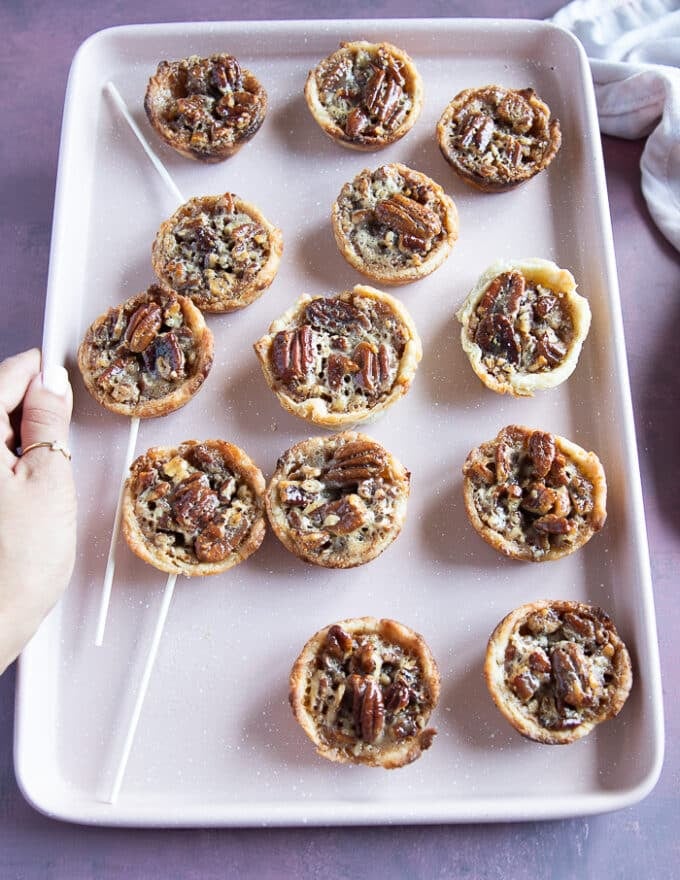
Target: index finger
x,y
15,376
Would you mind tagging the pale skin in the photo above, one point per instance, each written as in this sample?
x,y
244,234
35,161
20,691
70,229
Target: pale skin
x,y
37,498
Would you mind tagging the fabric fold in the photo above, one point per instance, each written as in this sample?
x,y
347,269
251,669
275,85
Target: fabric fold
x,y
634,52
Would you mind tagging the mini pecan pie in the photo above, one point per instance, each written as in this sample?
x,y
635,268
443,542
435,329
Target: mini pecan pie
x,y
148,356
363,691
556,669
194,509
394,225
337,501
533,495
366,95
340,359
496,138
218,250
205,108
523,326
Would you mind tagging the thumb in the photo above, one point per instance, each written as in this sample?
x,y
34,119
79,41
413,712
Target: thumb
x,y
46,413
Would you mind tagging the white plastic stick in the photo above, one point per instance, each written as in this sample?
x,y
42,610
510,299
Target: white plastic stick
x,y
143,687
111,561
157,164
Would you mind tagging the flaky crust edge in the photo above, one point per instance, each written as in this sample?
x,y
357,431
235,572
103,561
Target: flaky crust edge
x,y
550,275
412,273
315,410
589,464
509,706
239,462
493,185
365,145
398,755
259,284
277,518
182,395
154,104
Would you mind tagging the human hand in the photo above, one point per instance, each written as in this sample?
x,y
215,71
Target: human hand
x,y
37,498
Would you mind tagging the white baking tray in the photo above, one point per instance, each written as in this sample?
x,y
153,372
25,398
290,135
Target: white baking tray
x,y
217,743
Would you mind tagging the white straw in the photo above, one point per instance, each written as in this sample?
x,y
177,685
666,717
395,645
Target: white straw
x,y
157,164
111,561
143,687
105,600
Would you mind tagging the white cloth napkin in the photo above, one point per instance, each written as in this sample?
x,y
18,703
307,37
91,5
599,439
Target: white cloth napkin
x,y
634,52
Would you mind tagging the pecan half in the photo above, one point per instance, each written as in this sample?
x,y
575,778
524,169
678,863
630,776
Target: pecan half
x,y
372,712
542,452
335,314
292,353
370,376
338,642
571,677
397,697
143,326
551,524
478,130
355,461
408,217
495,335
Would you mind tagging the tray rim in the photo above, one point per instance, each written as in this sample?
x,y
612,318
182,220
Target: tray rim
x,y
348,812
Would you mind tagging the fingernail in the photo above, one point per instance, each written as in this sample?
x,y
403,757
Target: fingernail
x,y
55,379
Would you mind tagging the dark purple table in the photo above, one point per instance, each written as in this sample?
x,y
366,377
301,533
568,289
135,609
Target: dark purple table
x,y
39,40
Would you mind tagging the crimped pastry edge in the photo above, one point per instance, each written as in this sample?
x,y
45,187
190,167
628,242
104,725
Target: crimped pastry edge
x,y
509,706
182,395
399,755
277,519
315,410
408,274
239,462
550,275
334,132
262,280
591,467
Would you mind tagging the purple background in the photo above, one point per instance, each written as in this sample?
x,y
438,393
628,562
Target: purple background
x,y
39,41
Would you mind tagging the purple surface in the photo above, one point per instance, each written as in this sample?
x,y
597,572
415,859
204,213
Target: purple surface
x,y
40,39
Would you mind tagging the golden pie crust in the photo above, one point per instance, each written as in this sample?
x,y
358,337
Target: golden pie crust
x,y
363,691
365,96
194,509
205,108
496,138
220,251
147,356
342,359
394,225
533,495
556,669
523,326
337,501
